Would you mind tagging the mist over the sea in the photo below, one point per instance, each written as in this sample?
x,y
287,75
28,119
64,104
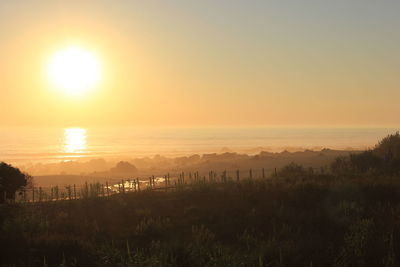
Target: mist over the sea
x,y
22,145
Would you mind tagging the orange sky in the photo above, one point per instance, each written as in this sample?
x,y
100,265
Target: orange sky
x,y
191,64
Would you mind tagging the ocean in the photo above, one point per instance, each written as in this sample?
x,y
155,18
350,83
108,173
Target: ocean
x,y
21,145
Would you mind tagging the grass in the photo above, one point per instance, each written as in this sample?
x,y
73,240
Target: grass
x,y
292,220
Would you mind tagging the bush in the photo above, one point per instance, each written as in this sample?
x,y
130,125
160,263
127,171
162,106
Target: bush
x,y
11,180
383,159
366,161
292,170
341,166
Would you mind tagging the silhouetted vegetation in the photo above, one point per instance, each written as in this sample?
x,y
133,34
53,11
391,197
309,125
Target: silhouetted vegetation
x,y
11,180
383,159
312,219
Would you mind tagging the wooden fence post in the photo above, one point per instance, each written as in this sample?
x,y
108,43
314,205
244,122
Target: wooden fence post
x,y
40,194
263,173
56,192
237,175
251,173
69,192
86,193
33,195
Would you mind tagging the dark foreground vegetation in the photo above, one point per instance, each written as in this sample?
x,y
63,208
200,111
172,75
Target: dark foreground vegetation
x,y
314,220
345,215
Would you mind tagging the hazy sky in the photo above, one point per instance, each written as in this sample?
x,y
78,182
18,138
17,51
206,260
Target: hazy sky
x,y
195,63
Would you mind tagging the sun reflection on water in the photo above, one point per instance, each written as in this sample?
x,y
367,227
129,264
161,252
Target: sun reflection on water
x,y
74,140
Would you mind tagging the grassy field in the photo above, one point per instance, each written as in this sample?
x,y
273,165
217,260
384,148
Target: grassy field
x,y
301,219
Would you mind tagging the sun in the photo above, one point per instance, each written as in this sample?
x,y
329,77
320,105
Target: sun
x,y
74,70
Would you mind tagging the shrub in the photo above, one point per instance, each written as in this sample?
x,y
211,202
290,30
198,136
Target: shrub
x,y
366,161
292,170
383,159
341,165
11,180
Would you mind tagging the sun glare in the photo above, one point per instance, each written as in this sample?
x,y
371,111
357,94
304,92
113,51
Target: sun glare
x,y
74,70
74,140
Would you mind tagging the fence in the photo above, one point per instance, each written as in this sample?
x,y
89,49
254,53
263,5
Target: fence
x,y
160,182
